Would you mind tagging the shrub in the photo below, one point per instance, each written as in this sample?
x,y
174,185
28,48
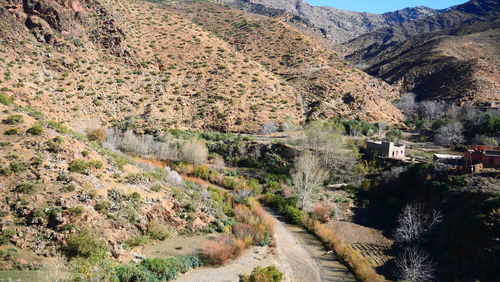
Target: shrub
x,y
157,231
17,166
134,272
164,269
135,241
12,131
266,274
85,244
36,129
81,166
98,135
6,100
221,250
5,171
6,235
102,206
13,119
26,187
322,213
55,145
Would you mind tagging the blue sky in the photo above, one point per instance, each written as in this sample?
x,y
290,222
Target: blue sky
x,y
382,6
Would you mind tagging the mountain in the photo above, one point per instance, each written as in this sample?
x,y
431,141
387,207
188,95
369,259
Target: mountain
x,y
458,65
451,56
337,25
328,86
366,49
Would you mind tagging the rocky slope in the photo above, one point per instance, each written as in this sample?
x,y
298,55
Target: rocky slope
x,y
115,60
337,25
458,65
54,182
366,49
327,85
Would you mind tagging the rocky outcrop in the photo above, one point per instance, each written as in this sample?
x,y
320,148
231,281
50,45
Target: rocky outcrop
x,y
51,21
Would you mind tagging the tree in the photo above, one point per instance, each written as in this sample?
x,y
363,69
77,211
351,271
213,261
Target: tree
x,y
449,134
415,265
414,221
431,110
407,104
308,176
269,128
195,151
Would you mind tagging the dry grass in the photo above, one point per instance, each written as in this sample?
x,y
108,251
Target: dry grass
x,y
356,262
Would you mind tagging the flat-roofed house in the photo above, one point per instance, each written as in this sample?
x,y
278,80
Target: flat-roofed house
x,y
387,149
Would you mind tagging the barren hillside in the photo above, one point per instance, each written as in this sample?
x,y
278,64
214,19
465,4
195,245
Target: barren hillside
x,y
328,86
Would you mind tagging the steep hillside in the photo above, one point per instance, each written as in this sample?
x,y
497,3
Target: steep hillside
x,y
328,86
115,60
337,25
118,59
459,64
54,182
366,49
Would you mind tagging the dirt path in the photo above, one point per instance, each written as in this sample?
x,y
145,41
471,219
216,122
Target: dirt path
x,y
298,254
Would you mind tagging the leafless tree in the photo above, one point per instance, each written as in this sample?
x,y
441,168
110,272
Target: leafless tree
x,y
195,151
269,128
407,104
415,265
308,177
431,110
414,221
450,134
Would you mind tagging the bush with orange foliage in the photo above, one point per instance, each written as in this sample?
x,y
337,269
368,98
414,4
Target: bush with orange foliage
x,y
221,250
253,227
98,135
322,213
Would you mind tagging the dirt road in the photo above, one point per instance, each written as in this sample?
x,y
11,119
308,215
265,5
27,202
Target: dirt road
x,y
298,254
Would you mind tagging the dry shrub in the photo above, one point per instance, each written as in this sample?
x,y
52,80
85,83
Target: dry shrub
x,y
98,135
221,250
322,213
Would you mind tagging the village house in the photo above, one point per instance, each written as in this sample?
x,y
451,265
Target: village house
x,y
486,156
387,149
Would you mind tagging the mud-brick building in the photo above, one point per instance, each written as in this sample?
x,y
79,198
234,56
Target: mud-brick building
x,y
387,149
488,156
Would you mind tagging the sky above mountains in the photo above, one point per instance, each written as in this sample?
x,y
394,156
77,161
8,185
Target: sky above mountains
x,y
382,6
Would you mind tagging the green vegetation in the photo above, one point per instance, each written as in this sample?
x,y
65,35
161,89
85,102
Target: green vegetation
x,y
26,187
156,269
5,236
6,100
263,274
36,129
82,166
85,244
13,119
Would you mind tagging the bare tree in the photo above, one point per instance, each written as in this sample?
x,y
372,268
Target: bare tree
x,y
195,151
414,221
269,128
308,177
450,134
407,104
431,110
415,265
